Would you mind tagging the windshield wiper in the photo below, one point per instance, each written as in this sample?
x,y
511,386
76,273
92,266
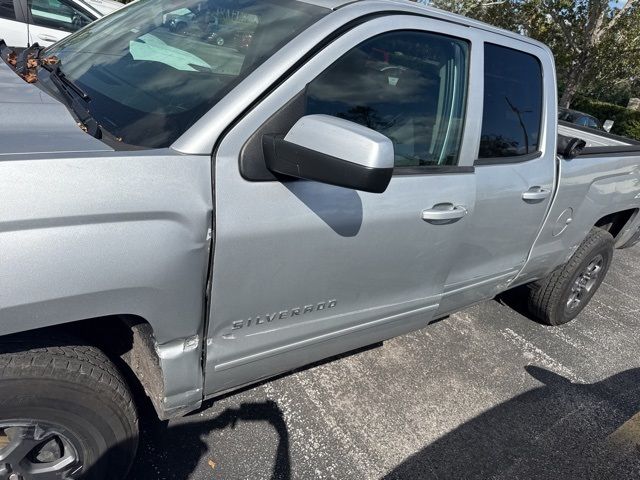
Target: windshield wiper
x,y
57,73
76,98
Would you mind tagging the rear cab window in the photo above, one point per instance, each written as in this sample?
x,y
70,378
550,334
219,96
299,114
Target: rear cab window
x,y
513,105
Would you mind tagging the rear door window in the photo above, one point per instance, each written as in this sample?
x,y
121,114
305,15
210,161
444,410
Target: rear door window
x,y
512,103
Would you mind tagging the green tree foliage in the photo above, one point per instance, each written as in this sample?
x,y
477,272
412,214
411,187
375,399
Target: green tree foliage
x,y
596,43
626,122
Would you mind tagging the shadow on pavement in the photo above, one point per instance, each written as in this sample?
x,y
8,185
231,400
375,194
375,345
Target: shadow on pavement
x,y
561,430
175,451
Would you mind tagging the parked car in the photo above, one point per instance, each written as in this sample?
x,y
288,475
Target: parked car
x,y
231,36
179,20
579,118
187,229
24,22
201,25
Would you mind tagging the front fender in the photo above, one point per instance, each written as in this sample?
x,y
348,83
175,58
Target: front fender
x,y
114,233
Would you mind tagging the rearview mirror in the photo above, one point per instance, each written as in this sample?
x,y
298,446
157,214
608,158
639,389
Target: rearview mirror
x,y
334,151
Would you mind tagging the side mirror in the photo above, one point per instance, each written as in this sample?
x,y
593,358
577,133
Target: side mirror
x,y
334,151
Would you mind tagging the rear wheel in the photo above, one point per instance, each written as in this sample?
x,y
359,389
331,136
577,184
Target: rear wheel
x,y
560,297
65,413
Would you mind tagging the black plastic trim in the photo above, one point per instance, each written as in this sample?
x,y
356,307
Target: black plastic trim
x,y
293,160
614,150
432,170
507,160
252,163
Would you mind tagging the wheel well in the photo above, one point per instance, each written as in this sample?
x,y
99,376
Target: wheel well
x,y
128,341
615,222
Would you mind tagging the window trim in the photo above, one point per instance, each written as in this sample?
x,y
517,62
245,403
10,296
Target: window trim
x,y
515,158
433,170
479,162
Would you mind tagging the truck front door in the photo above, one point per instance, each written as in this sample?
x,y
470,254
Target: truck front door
x,y
304,270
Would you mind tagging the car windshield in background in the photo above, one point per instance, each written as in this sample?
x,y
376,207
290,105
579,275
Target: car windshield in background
x,y
154,68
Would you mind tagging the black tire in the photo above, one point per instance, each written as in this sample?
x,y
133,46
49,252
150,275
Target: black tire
x,y
60,399
552,300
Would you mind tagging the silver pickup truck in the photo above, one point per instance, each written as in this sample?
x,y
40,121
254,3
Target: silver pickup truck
x,y
183,218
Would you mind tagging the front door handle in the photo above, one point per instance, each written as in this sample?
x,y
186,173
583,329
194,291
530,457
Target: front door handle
x,y
444,213
535,194
47,38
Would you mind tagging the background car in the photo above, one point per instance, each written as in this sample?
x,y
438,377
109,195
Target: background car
x,y
231,36
25,22
579,118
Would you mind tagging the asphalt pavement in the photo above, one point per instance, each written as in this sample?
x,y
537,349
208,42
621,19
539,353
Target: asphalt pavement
x,y
486,393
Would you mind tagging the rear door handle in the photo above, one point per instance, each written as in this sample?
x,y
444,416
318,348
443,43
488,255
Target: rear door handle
x,y
444,213
536,194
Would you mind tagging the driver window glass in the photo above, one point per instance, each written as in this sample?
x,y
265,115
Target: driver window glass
x,y
58,14
408,85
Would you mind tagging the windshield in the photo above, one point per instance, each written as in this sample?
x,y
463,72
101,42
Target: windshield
x,y
152,69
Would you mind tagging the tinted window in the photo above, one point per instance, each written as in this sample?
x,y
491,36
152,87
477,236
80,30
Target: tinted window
x,y
152,69
409,86
568,116
584,121
512,103
593,123
58,14
6,10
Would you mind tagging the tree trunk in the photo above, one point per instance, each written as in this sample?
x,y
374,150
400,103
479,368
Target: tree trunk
x,y
572,86
568,94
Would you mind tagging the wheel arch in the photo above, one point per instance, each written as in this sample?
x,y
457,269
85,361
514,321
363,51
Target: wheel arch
x,y
615,222
130,342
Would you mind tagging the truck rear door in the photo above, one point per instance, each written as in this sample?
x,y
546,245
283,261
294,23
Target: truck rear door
x,y
304,270
515,171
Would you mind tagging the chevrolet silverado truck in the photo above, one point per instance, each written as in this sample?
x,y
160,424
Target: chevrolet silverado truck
x,y
182,219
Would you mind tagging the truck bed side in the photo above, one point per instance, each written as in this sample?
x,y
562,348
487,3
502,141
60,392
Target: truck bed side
x,y
591,187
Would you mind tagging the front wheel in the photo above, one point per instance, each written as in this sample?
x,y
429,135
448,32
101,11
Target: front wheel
x,y
65,413
560,297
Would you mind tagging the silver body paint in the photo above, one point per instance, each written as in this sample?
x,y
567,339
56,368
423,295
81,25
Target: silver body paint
x,y
300,270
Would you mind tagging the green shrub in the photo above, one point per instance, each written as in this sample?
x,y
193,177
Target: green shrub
x,y
626,121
